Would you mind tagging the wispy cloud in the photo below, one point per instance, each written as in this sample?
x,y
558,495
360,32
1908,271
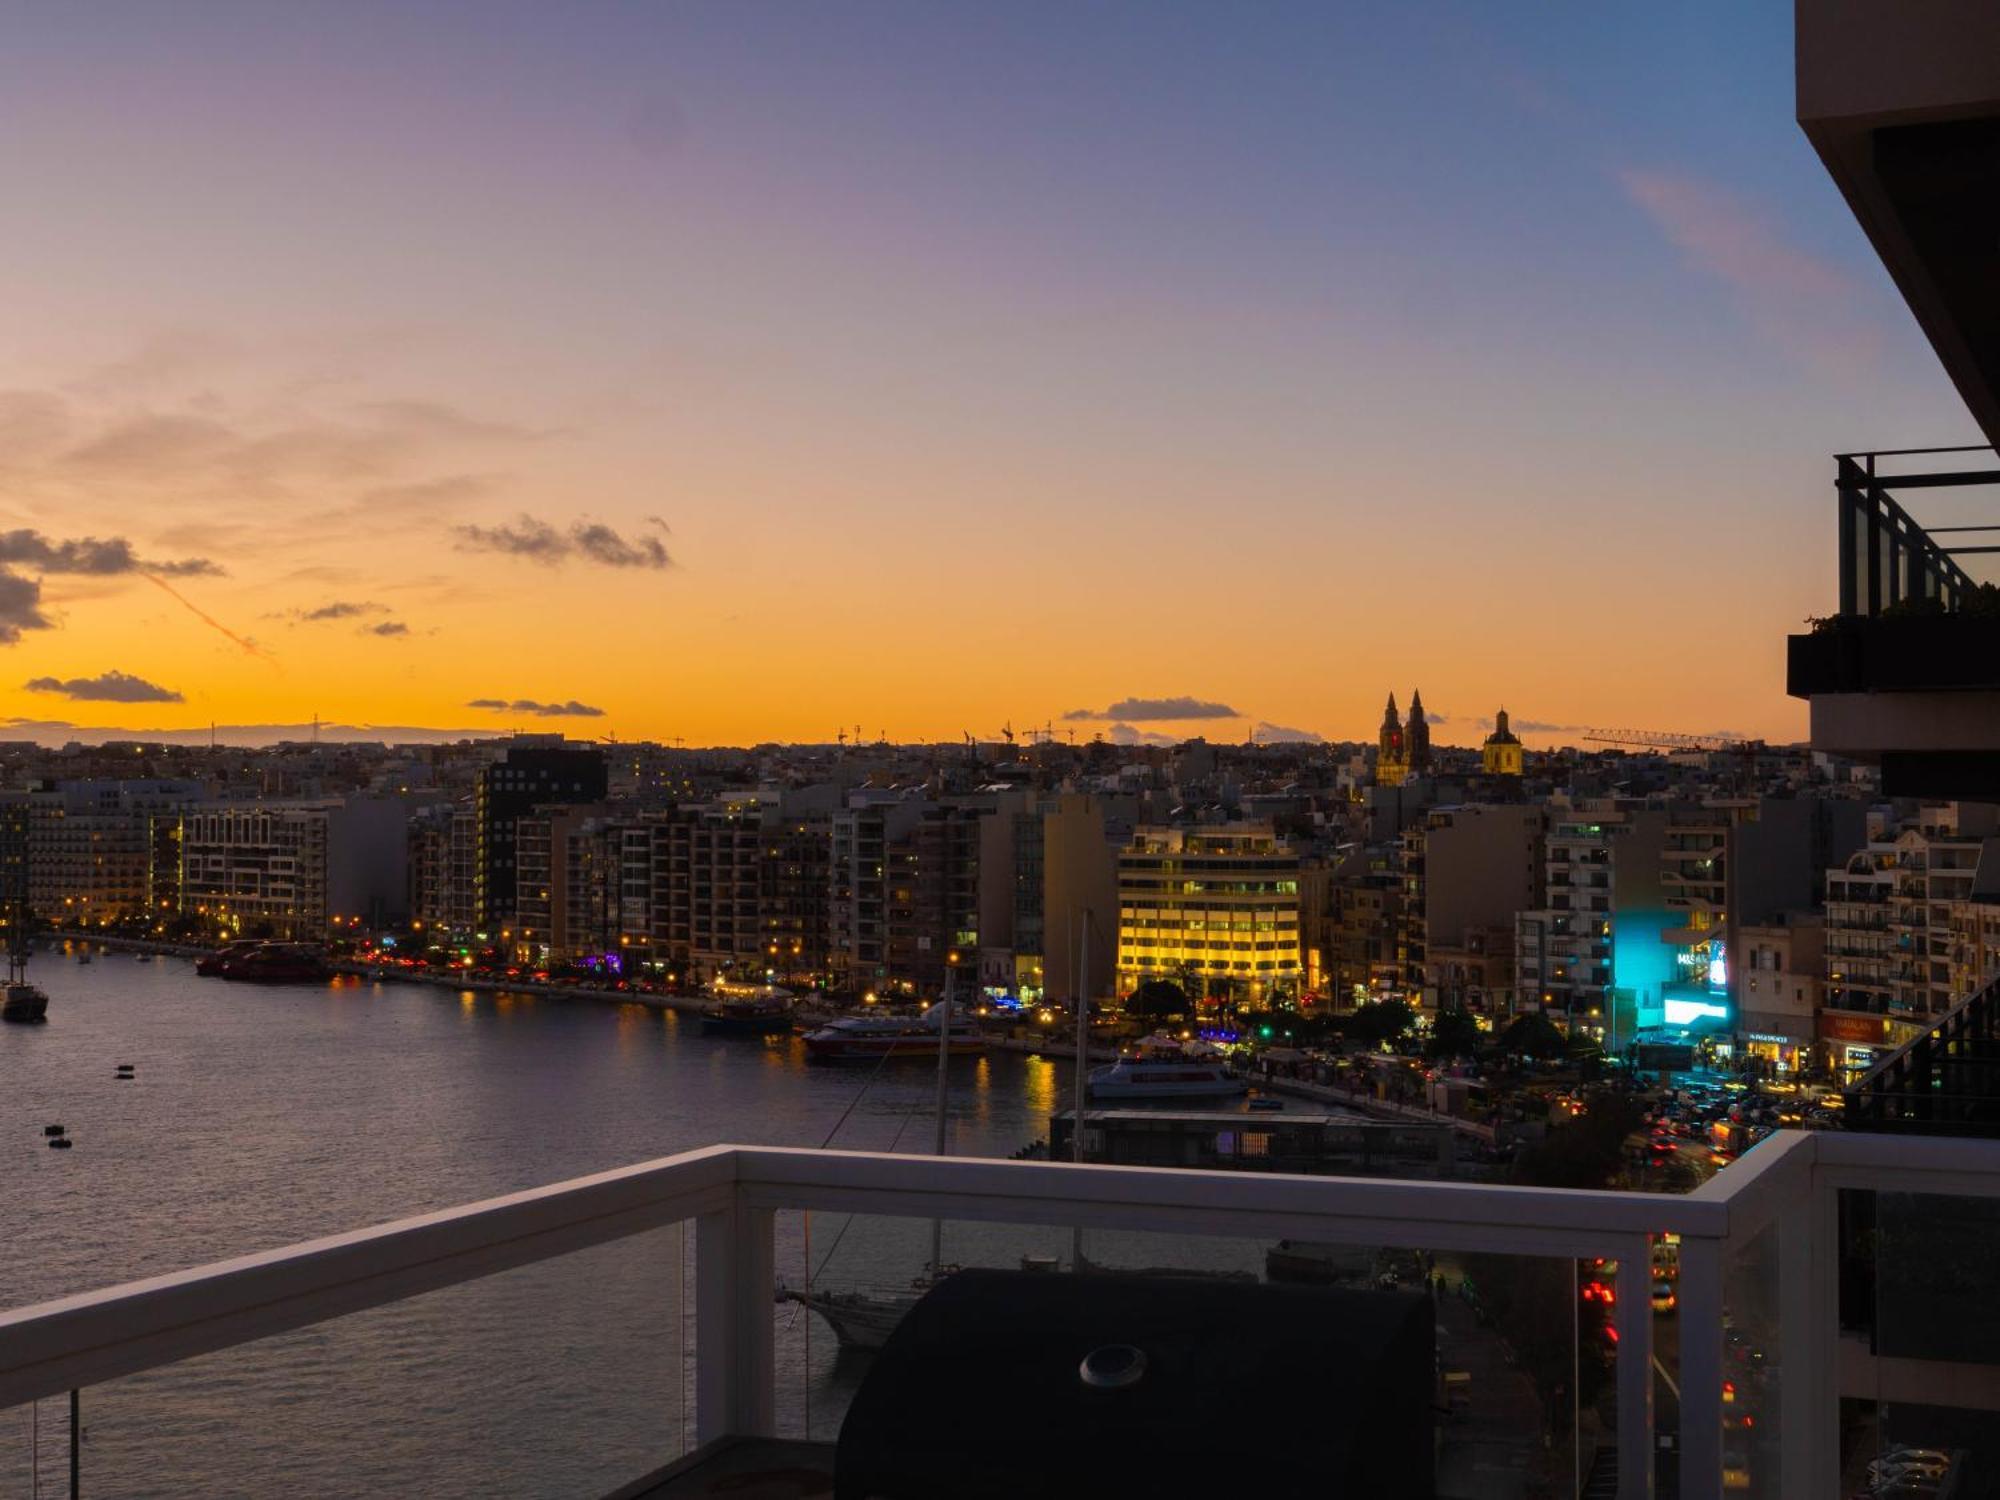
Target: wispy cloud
x,y
569,710
1128,734
386,628
1808,306
1156,709
539,541
107,687
1281,734
100,557
339,609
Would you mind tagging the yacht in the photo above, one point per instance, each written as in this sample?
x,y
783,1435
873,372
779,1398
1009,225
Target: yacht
x,y
1163,1068
867,1037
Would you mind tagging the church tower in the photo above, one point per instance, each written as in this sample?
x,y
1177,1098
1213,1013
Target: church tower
x,y
1418,736
1392,750
1502,754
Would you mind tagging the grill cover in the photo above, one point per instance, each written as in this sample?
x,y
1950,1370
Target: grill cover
x,y
1235,1388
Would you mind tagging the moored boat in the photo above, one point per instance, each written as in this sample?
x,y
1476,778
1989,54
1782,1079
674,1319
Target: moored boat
x,y
747,1010
1162,1068
277,963
210,965
859,1319
23,1003
867,1037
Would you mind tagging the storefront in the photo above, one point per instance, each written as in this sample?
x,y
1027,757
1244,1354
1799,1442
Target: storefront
x,y
1784,1054
1852,1044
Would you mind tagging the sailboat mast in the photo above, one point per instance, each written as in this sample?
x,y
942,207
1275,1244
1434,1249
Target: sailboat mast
x,y
944,1054
1082,1045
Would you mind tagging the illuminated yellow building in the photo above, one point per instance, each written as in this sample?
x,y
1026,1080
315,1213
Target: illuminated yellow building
x,y
1215,909
1502,754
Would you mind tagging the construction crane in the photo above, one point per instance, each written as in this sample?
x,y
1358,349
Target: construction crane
x,y
1647,739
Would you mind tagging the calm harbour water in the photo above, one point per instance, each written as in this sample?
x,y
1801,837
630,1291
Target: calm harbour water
x,y
261,1116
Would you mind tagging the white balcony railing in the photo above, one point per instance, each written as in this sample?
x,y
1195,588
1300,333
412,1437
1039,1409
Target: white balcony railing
x,y
1785,1187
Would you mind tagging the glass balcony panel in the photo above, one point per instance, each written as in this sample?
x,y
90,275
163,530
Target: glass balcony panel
x,y
570,1377
1526,1390
1920,1345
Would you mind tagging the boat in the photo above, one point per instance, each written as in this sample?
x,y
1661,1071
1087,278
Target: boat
x,y
23,1003
210,965
747,1009
277,963
860,1320
869,1037
1161,1068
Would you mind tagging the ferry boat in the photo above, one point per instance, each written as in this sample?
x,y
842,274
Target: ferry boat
x,y
867,1037
747,1009
276,963
1162,1068
210,965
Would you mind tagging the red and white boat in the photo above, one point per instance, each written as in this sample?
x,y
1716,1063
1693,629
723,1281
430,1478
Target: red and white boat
x,y
867,1037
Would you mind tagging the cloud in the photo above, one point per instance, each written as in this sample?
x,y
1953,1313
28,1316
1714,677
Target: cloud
x,y
62,731
601,544
339,609
20,607
1807,305
1537,726
1279,734
386,628
1126,734
587,541
570,710
1432,716
97,556
1154,709
107,687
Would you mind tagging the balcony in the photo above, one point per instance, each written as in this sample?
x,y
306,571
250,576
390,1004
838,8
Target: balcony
x,y
1906,672
267,1337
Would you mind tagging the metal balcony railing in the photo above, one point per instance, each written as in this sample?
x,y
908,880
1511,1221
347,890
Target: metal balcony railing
x,y
1886,557
1781,1196
1944,1082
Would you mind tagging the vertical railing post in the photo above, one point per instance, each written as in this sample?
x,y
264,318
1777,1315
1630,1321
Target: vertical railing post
x,y
1634,1314
1809,1343
735,1351
1701,1368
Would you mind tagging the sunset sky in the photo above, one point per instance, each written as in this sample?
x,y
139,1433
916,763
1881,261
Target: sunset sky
x,y
746,371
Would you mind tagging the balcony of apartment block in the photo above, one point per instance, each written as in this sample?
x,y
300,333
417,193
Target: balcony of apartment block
x,y
646,1338
1907,672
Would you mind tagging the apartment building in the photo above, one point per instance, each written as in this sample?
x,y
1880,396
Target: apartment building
x,y
1897,921
528,776
92,845
1466,872
295,869
1593,955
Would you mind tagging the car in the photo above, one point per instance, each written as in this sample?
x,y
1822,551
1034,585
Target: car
x,y
1664,1300
1902,1453
1888,1468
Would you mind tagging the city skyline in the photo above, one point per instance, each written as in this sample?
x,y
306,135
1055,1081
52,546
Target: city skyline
x,y
732,376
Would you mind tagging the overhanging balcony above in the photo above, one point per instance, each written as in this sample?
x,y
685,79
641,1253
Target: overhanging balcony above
x,y
1902,103
1907,673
